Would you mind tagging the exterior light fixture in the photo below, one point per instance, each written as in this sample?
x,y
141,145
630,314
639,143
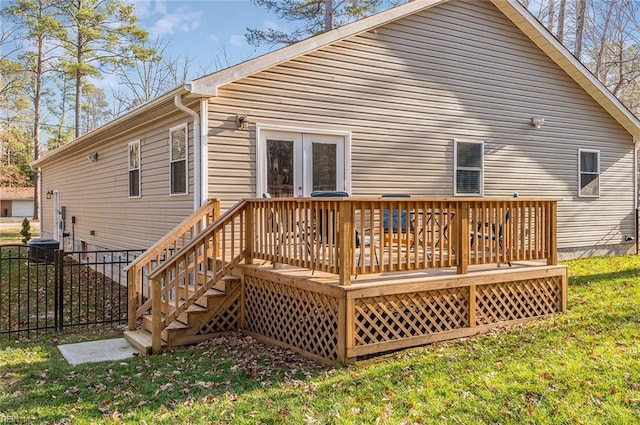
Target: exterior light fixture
x,y
49,194
242,123
537,122
92,157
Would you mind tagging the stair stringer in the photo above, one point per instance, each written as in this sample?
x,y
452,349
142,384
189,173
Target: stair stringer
x,y
223,316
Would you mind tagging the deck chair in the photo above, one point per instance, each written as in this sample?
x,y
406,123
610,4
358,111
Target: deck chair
x,y
397,221
278,225
494,234
323,235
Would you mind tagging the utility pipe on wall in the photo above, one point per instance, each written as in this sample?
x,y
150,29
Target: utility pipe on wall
x,y
197,165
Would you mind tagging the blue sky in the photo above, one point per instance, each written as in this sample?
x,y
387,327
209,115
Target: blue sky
x,y
212,32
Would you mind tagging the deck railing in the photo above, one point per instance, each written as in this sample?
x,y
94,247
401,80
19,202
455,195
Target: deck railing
x,y
354,236
184,278
345,236
154,257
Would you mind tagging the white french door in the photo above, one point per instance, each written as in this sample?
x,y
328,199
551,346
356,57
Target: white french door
x,y
296,163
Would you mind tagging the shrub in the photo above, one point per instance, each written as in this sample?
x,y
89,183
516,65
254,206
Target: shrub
x,y
26,231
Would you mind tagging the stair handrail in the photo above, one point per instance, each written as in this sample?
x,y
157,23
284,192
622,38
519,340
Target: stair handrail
x,y
211,232
168,245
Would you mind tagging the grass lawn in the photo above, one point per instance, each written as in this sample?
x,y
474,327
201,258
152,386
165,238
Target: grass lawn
x,y
582,367
10,232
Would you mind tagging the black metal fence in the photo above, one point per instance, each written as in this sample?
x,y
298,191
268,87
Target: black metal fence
x,y
50,290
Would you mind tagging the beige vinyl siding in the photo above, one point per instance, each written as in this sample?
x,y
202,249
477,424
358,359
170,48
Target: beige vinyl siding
x,y
97,193
460,70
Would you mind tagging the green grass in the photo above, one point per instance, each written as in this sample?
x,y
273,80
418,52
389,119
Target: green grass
x,y
11,235
581,367
28,290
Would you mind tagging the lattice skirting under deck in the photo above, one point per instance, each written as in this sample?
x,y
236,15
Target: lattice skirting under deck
x,y
406,315
296,317
392,318
339,323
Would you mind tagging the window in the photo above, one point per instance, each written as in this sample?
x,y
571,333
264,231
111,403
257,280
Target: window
x,y
469,161
588,173
134,169
178,159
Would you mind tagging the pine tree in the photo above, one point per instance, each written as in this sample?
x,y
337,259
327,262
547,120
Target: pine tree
x,y
99,34
316,16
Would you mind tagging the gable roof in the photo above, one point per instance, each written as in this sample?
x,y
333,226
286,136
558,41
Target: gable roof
x,y
207,86
512,9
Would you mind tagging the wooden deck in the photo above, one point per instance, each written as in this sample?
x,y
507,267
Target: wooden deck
x,y
356,276
311,313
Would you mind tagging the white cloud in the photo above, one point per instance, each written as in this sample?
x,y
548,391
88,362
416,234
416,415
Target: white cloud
x,y
161,7
214,38
237,40
180,20
106,82
142,7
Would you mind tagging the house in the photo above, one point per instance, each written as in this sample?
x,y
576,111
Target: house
x,y
16,202
431,98
461,104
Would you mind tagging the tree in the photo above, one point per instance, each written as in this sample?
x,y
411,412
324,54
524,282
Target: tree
x,y
95,108
149,76
41,26
15,156
100,34
59,107
9,68
604,35
316,16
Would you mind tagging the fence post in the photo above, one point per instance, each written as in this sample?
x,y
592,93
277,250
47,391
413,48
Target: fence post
x,y
462,255
345,241
58,260
156,316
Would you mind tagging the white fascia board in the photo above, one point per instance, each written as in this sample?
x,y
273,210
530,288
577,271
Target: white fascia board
x,y
208,85
528,24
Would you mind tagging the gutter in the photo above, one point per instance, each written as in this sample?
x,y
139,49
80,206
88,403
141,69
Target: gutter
x,y
197,147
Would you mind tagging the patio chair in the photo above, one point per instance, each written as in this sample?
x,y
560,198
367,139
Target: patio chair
x,y
488,231
323,235
282,227
397,222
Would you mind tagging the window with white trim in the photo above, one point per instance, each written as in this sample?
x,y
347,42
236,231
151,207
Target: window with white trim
x,y
135,183
178,157
588,173
468,174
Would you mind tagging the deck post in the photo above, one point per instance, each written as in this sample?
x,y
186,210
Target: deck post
x,y
156,316
552,233
345,241
565,293
462,254
248,234
132,285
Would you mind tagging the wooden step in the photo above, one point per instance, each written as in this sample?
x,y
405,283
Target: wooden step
x,y
208,299
147,324
141,340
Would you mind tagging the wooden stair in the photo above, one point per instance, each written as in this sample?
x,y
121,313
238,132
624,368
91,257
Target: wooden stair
x,y
191,326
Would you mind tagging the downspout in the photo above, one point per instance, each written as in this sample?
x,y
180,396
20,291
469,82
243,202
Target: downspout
x,y
197,166
40,201
204,150
635,190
